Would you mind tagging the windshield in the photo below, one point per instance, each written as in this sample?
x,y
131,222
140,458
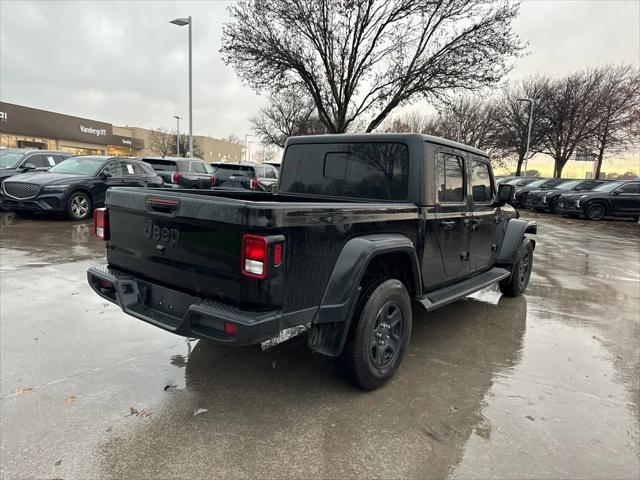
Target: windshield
x,y
9,158
567,185
521,182
240,170
537,183
80,166
607,187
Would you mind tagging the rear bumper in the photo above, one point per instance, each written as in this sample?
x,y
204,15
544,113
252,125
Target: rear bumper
x,y
181,313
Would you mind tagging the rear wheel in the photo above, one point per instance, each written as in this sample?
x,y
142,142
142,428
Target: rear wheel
x,y
79,206
553,206
378,335
595,211
517,283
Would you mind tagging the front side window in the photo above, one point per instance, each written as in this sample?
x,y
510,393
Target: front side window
x,y
375,171
198,167
116,168
37,161
480,182
450,178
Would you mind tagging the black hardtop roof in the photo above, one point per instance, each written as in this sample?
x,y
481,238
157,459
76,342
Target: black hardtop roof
x,y
382,137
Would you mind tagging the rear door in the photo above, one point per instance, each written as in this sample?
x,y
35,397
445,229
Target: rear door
x,y
451,212
627,199
482,225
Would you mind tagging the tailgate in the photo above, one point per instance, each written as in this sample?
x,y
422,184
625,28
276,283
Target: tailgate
x,y
187,241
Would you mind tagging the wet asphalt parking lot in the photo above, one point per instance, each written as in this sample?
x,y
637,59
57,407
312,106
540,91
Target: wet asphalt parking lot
x,y
541,386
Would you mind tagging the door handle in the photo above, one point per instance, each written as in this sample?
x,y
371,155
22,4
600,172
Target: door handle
x,y
447,224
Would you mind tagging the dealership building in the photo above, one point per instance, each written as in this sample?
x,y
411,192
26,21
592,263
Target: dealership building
x,y
26,127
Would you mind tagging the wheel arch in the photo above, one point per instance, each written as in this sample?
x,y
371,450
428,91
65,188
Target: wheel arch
x,y
384,255
516,231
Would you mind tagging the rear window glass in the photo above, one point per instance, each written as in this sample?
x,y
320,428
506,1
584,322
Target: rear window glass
x,y
162,165
236,170
354,170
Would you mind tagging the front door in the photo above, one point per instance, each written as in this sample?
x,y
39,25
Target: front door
x,y
451,214
485,219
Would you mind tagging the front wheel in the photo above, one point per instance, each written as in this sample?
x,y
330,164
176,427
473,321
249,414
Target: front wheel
x,y
516,284
378,336
79,206
595,211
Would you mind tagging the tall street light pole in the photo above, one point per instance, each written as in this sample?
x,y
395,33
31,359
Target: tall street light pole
x,y
532,103
177,135
181,22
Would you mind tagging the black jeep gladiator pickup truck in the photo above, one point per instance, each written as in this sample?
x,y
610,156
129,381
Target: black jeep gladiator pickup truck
x,y
361,229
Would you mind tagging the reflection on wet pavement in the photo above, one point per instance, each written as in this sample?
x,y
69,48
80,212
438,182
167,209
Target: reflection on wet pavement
x,y
542,386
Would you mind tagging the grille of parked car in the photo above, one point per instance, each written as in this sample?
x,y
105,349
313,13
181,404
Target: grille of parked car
x,y
20,190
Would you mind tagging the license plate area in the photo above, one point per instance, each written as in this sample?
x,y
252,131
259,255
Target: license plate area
x,y
165,300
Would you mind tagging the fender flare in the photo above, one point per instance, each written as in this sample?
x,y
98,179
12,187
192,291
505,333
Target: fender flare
x,y
330,324
516,230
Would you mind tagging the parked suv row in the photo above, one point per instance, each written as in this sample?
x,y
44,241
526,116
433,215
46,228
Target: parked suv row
x,y
593,199
20,160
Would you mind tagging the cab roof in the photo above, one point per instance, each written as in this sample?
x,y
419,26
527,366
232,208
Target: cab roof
x,y
383,137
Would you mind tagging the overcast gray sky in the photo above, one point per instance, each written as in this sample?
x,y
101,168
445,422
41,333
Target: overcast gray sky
x,y
123,63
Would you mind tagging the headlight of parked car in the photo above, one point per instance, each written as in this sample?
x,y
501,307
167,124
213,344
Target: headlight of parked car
x,y
55,188
580,199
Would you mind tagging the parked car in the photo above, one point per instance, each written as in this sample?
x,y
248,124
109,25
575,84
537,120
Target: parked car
x,y
181,172
615,199
21,160
362,225
247,176
547,198
520,196
76,186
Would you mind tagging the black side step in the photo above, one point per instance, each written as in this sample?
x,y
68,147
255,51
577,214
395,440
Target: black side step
x,y
439,298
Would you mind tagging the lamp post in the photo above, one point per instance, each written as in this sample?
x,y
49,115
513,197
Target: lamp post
x,y
181,22
246,147
532,103
177,135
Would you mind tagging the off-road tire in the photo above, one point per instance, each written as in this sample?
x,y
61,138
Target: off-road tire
x,y
378,335
516,284
79,206
595,211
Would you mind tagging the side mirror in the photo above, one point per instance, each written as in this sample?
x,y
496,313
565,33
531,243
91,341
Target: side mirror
x,y
28,166
505,193
616,192
106,174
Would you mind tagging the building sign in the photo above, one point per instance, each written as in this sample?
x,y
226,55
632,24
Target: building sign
x,y
126,141
3,116
98,132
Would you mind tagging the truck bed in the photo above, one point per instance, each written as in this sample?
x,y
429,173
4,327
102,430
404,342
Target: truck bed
x,y
191,240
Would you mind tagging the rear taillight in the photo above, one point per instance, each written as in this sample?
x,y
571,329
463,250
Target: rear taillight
x,y
101,223
213,180
254,183
175,177
261,254
254,256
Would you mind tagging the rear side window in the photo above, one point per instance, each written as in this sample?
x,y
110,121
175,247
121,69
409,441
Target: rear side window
x,y
450,178
162,165
198,167
354,170
630,188
480,182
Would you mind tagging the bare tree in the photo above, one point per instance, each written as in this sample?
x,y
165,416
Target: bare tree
x,y
236,140
362,59
512,119
184,146
289,113
265,154
618,108
162,142
569,115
